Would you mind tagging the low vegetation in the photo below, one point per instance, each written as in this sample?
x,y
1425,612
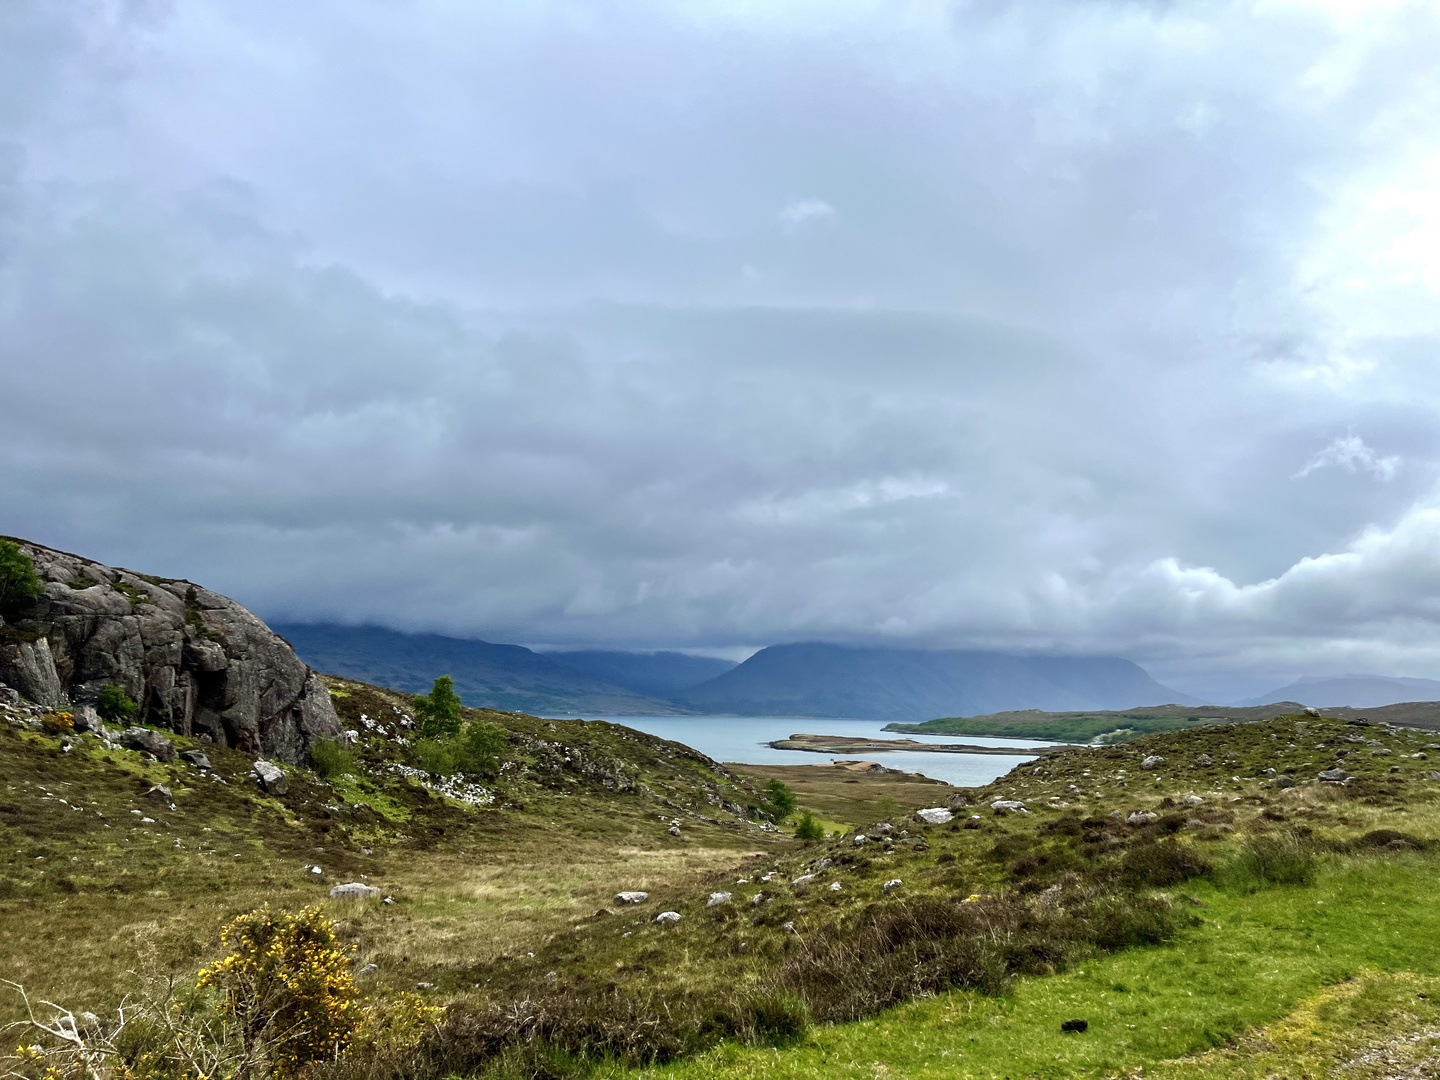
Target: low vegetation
x,y
1179,892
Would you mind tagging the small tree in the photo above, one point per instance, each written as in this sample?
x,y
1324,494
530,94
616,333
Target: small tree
x,y
808,829
20,586
439,711
115,705
782,799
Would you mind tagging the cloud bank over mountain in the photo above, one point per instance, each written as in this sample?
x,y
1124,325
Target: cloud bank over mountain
x,y
1107,328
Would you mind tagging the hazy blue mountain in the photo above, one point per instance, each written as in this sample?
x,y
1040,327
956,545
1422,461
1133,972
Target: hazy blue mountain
x,y
660,674
508,677
910,685
1361,691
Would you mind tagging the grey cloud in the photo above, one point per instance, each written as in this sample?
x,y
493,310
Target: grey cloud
x,y
486,322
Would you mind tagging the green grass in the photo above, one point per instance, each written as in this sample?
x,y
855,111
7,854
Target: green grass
x,y
1256,958
1059,727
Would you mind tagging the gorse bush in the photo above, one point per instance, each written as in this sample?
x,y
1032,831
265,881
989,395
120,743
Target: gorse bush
x,y
20,586
287,988
438,713
115,705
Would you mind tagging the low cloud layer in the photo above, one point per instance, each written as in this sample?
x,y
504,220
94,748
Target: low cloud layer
x,y
1096,328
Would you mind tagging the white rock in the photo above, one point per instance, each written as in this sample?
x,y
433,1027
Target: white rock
x,y
270,777
861,839
1194,800
354,890
1006,806
803,879
631,897
835,886
1142,817
935,815
718,898
1154,761
893,883
668,917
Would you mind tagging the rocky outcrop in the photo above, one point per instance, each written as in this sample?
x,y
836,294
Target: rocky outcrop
x,y
196,662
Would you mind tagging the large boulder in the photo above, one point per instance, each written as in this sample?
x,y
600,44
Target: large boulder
x,y
196,662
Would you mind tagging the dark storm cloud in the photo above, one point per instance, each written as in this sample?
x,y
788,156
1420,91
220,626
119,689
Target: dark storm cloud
x,y
1104,327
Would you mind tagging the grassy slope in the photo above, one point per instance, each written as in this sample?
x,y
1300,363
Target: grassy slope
x,y
471,884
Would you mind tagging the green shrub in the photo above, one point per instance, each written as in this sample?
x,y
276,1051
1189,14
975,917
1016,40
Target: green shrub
x,y
436,756
476,751
333,758
808,829
20,586
782,801
439,711
115,705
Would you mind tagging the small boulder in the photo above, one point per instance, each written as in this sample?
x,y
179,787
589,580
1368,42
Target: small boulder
x,y
803,879
668,917
270,777
9,696
1334,776
631,897
674,830
151,742
935,815
1142,817
1283,781
1384,751
1204,761
893,883
835,886
161,794
87,721
1154,761
1008,806
718,898
860,840
1310,710
368,969
196,758
1193,800
354,890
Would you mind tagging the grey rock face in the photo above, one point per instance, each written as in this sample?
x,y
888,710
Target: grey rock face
x,y
270,777
197,663
152,742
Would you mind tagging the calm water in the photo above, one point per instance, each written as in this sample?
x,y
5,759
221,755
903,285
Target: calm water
x,y
742,739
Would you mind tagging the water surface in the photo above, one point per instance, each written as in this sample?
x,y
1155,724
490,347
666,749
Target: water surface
x,y
742,739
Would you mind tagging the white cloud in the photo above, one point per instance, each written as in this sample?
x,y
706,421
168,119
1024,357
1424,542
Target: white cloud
x,y
796,215
1349,452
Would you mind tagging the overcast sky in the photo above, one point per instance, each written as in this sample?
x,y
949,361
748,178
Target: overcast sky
x,y
1090,327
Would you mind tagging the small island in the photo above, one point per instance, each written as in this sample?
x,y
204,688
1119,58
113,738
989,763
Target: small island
x,y
845,744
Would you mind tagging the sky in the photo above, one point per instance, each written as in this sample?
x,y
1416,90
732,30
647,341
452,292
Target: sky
x,y
1101,328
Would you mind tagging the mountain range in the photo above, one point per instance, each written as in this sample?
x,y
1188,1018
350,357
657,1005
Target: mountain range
x,y
801,680
1359,691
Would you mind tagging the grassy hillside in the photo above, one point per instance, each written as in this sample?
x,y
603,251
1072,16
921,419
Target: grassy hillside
x,y
1200,914
1119,725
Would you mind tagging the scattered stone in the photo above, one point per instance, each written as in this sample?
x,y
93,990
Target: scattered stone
x,y
668,917
757,899
893,883
631,897
1432,775
369,969
1154,761
1006,806
1193,800
151,742
270,777
674,830
1384,751
317,870
1204,761
161,794
354,890
718,898
822,864
196,758
803,879
860,840
1283,781
1334,776
366,851
835,886
9,696
87,720
788,927
1077,1027
883,829
935,815
1142,817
